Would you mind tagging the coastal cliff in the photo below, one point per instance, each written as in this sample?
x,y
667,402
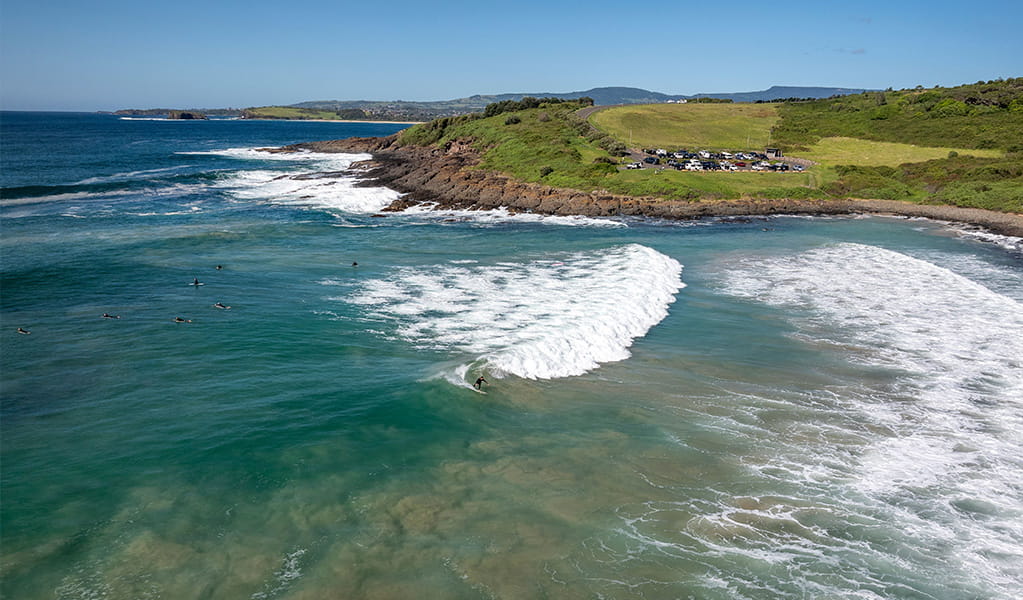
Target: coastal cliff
x,y
446,177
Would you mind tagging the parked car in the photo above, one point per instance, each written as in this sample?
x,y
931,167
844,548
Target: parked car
x,y
650,160
635,165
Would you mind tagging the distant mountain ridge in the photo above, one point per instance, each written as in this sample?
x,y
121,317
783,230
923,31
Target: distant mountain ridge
x,y
424,111
601,96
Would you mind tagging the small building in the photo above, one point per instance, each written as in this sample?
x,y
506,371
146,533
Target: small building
x,y
773,152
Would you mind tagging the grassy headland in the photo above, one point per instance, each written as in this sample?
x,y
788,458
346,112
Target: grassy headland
x,y
307,114
960,146
549,144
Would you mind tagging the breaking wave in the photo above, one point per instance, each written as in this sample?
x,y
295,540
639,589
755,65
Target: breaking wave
x,y
944,452
538,320
316,180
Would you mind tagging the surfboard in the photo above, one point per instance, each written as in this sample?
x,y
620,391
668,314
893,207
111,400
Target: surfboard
x,y
196,284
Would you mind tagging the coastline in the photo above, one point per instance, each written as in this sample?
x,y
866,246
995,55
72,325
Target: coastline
x,y
341,121
443,177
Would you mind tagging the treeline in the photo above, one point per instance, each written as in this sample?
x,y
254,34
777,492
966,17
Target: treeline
x,y
980,115
967,181
528,102
437,130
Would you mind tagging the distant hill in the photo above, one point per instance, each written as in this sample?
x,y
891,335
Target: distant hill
x,y
404,110
779,92
602,96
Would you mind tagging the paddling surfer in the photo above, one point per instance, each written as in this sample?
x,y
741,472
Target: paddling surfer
x,y
221,305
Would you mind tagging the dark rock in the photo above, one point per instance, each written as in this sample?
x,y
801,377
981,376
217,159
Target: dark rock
x,y
186,115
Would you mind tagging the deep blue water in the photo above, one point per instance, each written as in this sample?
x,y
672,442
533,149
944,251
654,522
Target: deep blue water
x,y
767,408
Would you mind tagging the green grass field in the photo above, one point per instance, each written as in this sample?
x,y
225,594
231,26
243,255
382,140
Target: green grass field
x,y
852,151
702,126
287,112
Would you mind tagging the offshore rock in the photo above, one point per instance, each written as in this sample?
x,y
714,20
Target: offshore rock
x,y
186,115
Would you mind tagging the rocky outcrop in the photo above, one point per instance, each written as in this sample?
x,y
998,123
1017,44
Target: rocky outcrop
x,y
186,115
447,178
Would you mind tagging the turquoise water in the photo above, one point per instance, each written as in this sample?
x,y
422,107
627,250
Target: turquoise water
x,y
767,408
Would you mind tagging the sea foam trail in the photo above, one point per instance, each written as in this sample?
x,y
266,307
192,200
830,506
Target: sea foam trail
x,y
903,312
310,179
537,320
502,215
947,455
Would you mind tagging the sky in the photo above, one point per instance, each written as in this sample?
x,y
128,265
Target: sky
x,y
87,55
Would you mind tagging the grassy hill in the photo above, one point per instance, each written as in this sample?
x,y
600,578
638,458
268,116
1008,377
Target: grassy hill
x,y
914,145
707,126
984,115
551,144
288,112
299,113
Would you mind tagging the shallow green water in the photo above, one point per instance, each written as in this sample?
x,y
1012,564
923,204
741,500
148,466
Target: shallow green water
x,y
775,408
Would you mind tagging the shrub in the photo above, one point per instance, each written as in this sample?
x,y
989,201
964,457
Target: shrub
x,y
512,120
950,108
545,171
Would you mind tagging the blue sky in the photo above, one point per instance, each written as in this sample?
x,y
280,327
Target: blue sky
x,y
110,54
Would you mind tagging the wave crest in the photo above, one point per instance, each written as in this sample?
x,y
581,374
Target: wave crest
x,y
537,320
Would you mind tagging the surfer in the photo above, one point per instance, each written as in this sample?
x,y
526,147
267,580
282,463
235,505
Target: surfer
x,y
355,264
110,316
23,331
220,267
180,320
195,281
479,382
221,305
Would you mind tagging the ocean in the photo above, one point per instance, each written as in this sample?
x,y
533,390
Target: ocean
x,y
762,408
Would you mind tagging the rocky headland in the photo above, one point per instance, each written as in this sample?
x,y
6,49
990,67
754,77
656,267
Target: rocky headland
x,y
445,177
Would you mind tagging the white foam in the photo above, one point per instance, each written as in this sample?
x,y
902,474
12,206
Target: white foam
x,y
128,175
314,180
157,119
946,435
323,161
69,196
540,319
336,193
903,311
1009,242
289,571
504,215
